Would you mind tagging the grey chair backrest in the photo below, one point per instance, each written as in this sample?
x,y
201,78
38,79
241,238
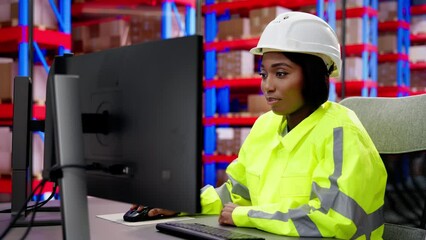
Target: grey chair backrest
x,y
399,232
396,125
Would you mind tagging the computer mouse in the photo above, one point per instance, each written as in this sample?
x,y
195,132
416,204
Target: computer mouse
x,y
137,216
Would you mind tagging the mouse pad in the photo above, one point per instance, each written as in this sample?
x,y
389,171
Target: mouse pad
x,y
118,218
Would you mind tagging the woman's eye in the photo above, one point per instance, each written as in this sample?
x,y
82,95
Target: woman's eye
x,y
262,75
281,74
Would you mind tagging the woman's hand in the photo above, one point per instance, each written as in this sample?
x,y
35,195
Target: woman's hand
x,y
154,211
225,217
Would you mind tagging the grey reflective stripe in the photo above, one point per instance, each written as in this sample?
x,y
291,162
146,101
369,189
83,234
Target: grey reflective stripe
x,y
331,198
334,199
239,189
224,194
304,225
205,188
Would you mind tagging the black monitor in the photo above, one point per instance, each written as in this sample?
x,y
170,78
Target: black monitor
x,y
141,108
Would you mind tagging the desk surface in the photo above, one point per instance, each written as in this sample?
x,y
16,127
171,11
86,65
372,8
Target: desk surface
x,y
105,230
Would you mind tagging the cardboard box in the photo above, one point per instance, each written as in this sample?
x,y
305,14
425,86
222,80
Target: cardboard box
x,y
9,14
387,42
386,74
353,68
145,28
39,84
387,11
260,17
101,36
5,139
349,4
353,31
38,154
256,104
418,80
418,24
7,73
417,53
229,140
236,28
235,64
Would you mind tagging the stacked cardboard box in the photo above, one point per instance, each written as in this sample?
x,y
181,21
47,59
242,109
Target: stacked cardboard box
x,y
349,4
38,155
353,30
353,68
9,13
388,11
260,17
145,28
229,140
234,28
43,16
418,24
418,53
7,73
100,36
256,104
5,150
233,64
418,80
39,84
386,74
387,42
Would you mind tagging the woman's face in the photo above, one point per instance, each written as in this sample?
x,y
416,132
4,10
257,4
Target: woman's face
x,y
282,82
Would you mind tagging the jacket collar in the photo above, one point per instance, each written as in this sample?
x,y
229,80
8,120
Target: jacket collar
x,y
292,138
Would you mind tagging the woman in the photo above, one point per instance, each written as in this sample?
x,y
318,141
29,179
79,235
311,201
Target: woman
x,y
308,167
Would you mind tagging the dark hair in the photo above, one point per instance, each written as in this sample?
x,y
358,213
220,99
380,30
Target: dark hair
x,y
316,77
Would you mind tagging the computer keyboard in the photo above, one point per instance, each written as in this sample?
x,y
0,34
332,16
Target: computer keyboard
x,y
201,231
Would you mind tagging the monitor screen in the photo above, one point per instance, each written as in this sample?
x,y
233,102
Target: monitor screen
x,y
146,106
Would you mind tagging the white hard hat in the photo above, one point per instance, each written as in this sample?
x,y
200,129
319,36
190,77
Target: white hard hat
x,y
304,33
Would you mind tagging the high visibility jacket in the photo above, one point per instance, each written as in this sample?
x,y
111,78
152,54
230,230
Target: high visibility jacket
x,y
324,178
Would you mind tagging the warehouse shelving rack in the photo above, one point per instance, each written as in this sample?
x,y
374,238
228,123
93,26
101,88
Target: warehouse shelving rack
x,y
217,91
418,38
367,49
401,26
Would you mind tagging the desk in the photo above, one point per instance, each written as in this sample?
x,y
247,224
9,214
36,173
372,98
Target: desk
x,y
106,230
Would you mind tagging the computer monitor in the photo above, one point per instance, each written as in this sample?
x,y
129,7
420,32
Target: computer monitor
x,y
147,98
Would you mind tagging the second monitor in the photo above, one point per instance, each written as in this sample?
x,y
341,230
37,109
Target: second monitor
x,y
149,97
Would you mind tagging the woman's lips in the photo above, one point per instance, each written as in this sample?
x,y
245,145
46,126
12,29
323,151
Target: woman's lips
x,y
272,100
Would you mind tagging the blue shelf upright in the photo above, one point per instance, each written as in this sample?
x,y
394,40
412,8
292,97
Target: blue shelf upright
x,y
63,16
169,10
403,46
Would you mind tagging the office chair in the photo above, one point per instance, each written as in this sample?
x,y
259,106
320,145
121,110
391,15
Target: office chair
x,y
397,127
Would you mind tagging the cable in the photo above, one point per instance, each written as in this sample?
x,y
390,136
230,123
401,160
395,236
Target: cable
x,y
30,224
15,219
41,204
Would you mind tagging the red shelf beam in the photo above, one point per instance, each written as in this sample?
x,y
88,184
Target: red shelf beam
x,y
417,92
418,66
235,121
357,12
10,37
418,9
231,44
6,113
354,87
239,6
357,49
219,158
418,38
103,6
236,82
6,186
392,57
393,25
392,91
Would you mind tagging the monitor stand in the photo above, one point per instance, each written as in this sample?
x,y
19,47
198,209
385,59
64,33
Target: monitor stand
x,y
21,155
68,145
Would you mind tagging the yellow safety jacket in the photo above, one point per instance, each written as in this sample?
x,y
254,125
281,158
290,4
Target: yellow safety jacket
x,y
324,178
